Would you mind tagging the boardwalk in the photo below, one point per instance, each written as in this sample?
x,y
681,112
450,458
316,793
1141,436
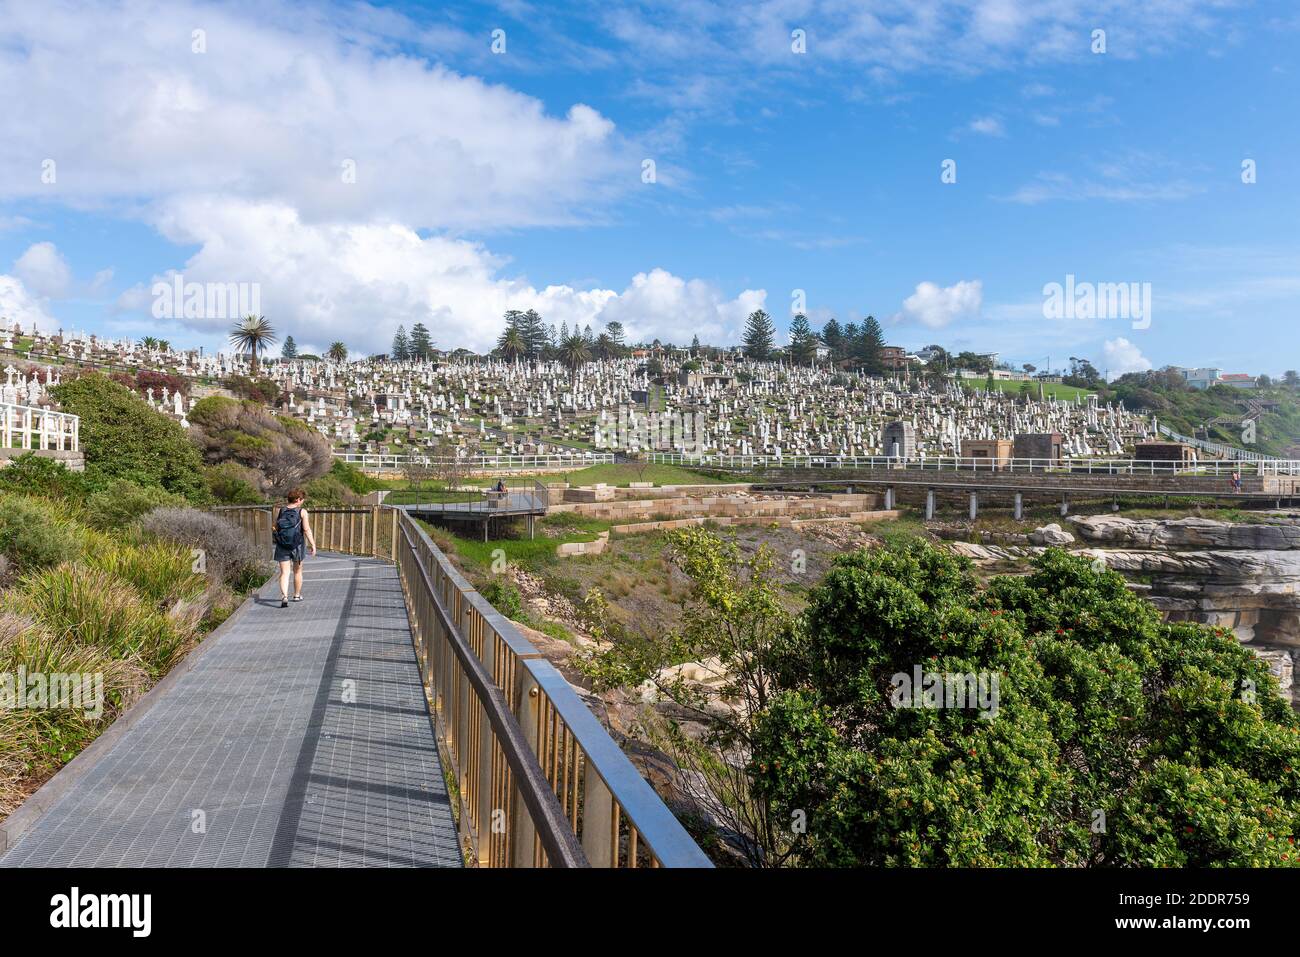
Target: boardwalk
x,y
296,737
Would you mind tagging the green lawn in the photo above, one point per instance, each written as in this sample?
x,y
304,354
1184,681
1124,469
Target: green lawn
x,y
477,555
1055,390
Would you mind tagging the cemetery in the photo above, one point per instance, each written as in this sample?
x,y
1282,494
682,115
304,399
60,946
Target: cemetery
x,y
468,406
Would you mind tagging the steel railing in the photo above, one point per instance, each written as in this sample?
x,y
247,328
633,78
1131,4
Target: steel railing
x,y
29,427
539,781
529,497
1071,465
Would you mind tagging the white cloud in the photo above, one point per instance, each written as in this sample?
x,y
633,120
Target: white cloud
x,y
281,100
17,304
1120,356
936,306
358,282
43,269
987,126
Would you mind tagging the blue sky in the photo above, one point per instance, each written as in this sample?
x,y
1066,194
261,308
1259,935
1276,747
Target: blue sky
x,y
491,180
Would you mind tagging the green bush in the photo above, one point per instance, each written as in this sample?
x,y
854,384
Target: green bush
x,y
355,479
233,484
162,573
327,490
33,535
33,474
1117,739
122,502
504,597
123,438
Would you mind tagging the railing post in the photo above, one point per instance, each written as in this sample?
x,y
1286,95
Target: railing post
x,y
524,834
597,820
374,532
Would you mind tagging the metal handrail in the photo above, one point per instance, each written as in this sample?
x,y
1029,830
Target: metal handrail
x,y
552,828
600,791
1218,448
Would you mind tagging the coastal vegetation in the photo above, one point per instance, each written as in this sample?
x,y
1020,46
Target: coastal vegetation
x,y
1111,738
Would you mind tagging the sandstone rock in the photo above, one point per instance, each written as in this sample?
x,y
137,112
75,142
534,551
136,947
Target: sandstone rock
x,y
1051,534
1186,533
1280,663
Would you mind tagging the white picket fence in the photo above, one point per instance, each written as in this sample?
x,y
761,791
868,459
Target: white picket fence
x,y
27,427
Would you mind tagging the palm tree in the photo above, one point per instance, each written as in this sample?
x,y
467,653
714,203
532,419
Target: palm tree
x,y
252,334
148,342
606,347
338,352
511,344
575,352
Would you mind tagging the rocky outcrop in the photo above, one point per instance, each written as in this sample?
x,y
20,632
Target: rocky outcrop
x,y
1186,533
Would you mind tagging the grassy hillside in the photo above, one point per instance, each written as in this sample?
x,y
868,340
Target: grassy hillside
x,y
1222,409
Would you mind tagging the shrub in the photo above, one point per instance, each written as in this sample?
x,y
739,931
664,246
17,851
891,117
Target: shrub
x,y
504,597
262,391
122,437
122,502
327,490
233,484
355,479
282,452
229,557
33,535
32,474
1174,732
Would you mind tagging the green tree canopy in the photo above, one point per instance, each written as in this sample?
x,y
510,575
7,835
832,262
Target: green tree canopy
x,y
401,350
803,344
760,335
123,437
421,344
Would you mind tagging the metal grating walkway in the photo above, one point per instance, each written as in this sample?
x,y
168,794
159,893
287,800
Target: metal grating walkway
x,y
299,739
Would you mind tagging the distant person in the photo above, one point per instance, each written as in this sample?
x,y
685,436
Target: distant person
x,y
292,535
1236,481
501,486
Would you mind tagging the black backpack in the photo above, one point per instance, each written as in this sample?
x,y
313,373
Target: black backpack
x,y
288,528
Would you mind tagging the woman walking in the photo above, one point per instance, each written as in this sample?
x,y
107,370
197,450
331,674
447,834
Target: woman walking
x,y
292,536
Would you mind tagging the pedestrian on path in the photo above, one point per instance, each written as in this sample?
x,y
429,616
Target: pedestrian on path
x,y
292,535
